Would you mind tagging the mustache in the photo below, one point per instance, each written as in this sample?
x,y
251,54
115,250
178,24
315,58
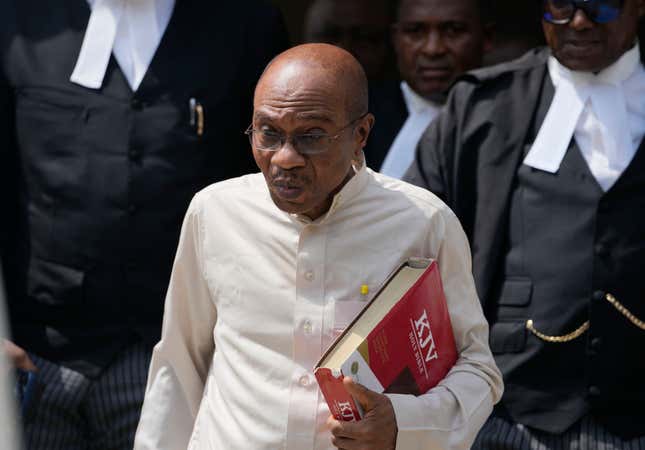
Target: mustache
x,y
288,177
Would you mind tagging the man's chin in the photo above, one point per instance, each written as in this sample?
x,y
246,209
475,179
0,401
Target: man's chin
x,y
434,91
291,206
583,58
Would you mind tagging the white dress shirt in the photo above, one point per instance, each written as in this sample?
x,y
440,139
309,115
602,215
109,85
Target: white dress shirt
x,y
256,295
131,29
421,113
605,112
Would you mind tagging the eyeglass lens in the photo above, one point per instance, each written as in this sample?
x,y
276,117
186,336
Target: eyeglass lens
x,y
599,11
304,143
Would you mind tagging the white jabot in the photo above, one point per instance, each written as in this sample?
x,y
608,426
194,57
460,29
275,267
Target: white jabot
x,y
420,113
131,29
605,112
256,295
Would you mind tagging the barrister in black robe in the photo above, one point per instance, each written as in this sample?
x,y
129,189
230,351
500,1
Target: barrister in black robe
x,y
434,41
555,249
95,183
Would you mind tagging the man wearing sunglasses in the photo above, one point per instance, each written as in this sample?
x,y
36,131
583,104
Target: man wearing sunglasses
x,y
543,160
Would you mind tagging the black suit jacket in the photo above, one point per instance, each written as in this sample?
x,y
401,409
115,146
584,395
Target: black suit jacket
x,y
469,157
388,106
96,182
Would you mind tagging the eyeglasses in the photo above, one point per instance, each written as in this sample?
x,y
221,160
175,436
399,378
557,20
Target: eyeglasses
x,y
305,144
561,12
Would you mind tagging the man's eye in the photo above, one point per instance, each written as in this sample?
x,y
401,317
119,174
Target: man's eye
x,y
411,29
269,132
308,139
454,28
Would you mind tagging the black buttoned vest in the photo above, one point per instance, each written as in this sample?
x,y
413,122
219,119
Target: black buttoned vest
x,y
106,175
569,244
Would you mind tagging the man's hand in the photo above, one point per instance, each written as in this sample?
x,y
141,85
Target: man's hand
x,y
376,431
18,357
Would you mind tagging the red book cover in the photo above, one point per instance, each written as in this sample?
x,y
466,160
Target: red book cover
x,y
409,351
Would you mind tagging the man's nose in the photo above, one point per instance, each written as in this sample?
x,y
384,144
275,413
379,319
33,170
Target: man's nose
x,y
434,44
580,21
287,157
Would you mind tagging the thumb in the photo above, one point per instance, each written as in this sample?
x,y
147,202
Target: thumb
x,y
364,396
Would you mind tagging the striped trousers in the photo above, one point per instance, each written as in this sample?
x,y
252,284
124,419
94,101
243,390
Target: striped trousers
x,y
501,433
79,413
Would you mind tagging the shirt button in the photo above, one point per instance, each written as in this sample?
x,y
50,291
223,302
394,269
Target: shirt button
x,y
307,327
304,380
598,296
136,104
132,210
594,391
596,343
309,275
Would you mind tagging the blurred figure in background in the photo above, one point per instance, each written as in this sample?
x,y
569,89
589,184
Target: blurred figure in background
x,y
359,26
517,30
112,115
435,41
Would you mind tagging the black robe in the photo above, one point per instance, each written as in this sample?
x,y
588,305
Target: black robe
x,y
469,157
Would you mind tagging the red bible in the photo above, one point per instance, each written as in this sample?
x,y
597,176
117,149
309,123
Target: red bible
x,y
401,342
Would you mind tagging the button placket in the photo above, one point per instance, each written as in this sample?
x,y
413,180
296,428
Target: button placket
x,y
307,322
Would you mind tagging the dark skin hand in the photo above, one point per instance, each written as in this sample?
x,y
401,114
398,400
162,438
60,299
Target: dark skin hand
x,y
18,357
376,431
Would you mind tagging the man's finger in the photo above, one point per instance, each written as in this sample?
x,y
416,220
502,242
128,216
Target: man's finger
x,y
363,395
344,443
18,357
341,428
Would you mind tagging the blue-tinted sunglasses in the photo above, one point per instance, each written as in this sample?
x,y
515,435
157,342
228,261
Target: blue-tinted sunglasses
x,y
560,12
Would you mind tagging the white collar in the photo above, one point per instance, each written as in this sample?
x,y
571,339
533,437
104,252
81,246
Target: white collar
x,y
573,91
414,102
132,30
352,188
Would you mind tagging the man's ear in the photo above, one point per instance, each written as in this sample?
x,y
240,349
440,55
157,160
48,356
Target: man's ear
x,y
363,130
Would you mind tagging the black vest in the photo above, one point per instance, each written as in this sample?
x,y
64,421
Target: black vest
x,y
569,243
107,175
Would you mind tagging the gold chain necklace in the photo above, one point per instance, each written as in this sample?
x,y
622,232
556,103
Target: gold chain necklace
x,y
585,326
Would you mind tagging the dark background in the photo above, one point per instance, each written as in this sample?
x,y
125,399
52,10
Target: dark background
x,y
513,17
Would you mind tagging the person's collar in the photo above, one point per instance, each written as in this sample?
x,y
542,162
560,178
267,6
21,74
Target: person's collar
x,y
615,74
352,188
414,102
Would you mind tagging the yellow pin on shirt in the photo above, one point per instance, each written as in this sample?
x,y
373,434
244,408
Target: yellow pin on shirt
x,y
365,289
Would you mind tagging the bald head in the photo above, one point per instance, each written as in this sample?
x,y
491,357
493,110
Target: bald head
x,y
327,68
310,125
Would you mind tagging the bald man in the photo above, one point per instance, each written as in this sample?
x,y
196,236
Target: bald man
x,y
268,273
